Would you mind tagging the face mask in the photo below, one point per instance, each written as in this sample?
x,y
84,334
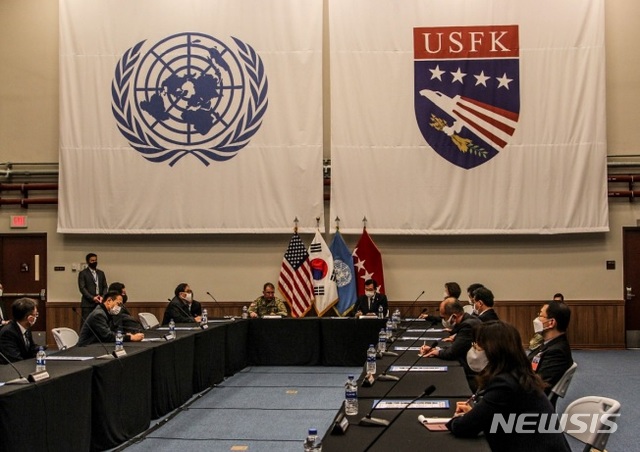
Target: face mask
x,y
445,295
475,310
188,296
32,320
124,298
93,265
477,359
448,323
538,326
115,310
369,293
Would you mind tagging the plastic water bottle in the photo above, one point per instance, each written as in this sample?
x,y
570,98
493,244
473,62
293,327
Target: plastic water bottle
x,y
205,317
172,329
380,312
312,443
389,329
396,319
382,341
119,341
351,397
245,312
41,360
371,360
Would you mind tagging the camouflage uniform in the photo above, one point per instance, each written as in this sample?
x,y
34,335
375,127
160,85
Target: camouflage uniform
x,y
263,307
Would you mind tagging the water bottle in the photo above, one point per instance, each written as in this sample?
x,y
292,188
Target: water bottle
x,y
396,319
382,341
389,329
119,341
172,329
380,312
371,360
312,443
351,397
205,318
245,312
41,360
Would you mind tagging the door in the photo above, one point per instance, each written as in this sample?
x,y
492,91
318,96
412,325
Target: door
x,y
631,290
23,273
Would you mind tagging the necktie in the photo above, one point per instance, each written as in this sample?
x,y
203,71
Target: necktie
x,y
27,339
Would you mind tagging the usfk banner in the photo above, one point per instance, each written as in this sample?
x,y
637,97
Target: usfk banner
x,y
196,116
464,117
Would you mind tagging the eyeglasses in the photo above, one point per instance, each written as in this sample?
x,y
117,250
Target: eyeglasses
x,y
543,316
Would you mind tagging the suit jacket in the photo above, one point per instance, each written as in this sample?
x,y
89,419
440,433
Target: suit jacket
x,y
13,346
87,286
126,323
179,311
554,360
462,342
378,300
99,325
503,395
488,315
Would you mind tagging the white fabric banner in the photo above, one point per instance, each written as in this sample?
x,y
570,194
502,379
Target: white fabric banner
x,y
468,117
191,116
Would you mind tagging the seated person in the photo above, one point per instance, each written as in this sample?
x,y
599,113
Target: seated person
x,y
451,289
267,304
124,321
183,308
369,303
99,325
461,325
507,386
537,339
483,305
16,342
552,359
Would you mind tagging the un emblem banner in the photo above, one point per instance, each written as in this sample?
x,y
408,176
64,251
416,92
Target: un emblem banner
x,y
198,116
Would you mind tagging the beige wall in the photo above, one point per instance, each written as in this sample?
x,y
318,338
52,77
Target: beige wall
x,y
233,267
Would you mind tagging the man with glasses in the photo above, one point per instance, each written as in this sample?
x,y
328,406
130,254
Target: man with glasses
x,y
16,341
553,357
267,304
99,326
182,308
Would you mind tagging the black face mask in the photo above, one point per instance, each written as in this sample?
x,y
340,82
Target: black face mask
x,y
93,265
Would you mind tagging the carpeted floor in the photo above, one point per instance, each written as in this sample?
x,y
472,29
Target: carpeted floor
x,y
271,408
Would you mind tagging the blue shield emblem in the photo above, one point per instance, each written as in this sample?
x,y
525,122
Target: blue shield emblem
x,y
467,90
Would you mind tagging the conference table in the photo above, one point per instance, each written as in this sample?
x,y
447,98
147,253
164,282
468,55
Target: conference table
x,y
91,403
426,386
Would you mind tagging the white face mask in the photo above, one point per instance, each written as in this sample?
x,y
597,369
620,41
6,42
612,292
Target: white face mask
x,y
477,359
32,320
538,325
115,310
188,296
369,293
448,323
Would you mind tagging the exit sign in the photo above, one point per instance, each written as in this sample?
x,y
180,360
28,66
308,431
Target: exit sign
x,y
18,221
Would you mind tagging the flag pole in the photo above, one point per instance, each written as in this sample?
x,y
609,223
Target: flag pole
x,y
337,220
295,225
364,222
318,223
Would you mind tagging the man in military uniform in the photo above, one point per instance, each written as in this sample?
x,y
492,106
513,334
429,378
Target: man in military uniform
x,y
267,304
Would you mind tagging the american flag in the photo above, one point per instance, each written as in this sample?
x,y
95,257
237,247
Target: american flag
x,y
296,282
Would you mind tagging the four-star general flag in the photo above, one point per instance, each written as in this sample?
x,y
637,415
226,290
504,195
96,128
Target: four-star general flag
x,y
345,275
462,117
322,270
367,261
190,116
295,282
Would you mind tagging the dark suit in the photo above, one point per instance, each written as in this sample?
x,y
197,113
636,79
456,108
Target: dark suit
x,y
554,358
488,315
378,300
503,395
87,286
125,322
460,346
99,323
179,311
13,346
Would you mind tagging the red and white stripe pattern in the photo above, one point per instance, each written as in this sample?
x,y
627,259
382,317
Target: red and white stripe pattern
x,y
296,281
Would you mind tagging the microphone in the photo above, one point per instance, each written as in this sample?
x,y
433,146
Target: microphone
x,y
219,306
21,380
367,420
427,392
406,311
109,354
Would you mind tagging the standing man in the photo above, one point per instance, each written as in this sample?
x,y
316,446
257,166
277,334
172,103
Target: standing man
x,y
267,304
369,303
16,342
182,308
92,284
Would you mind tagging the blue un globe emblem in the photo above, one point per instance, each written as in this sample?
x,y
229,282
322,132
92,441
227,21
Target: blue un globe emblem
x,y
189,94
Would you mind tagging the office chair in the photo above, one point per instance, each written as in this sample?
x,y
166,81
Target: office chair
x,y
65,337
595,434
148,320
560,388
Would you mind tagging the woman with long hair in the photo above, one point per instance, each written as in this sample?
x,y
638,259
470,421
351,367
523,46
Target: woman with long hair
x,y
507,389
